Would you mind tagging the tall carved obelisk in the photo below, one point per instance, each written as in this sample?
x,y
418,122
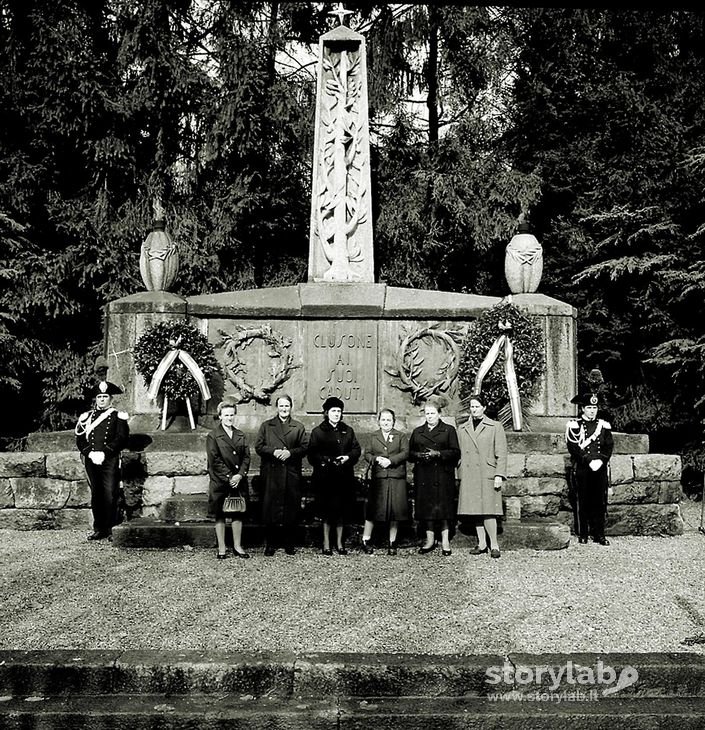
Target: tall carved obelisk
x,y
340,244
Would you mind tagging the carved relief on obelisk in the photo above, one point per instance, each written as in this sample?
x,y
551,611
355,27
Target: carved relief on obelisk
x,y
340,246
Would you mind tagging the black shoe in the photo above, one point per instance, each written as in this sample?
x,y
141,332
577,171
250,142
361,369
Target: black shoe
x,y
326,551
290,550
582,540
269,551
341,550
495,554
446,552
478,551
242,555
367,548
602,541
221,556
98,536
392,549
426,550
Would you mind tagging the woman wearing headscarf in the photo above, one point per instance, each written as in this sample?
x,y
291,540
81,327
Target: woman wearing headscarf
x,y
333,452
434,451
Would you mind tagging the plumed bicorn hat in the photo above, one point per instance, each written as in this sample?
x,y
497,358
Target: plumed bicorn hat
x,y
105,387
586,399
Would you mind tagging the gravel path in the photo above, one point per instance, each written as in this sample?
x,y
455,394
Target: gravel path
x,y
640,594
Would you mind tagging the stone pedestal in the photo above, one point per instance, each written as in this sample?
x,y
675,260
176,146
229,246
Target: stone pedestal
x,y
344,340
125,320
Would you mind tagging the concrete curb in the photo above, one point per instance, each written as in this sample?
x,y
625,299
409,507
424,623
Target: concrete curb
x,y
325,675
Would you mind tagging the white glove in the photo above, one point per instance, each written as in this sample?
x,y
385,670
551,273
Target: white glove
x,y
97,457
595,464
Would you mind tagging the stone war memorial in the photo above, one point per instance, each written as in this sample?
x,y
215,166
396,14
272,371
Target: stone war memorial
x,y
343,334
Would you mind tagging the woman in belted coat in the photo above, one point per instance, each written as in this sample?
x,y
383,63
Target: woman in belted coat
x,y
333,452
434,451
483,469
228,463
387,500
281,443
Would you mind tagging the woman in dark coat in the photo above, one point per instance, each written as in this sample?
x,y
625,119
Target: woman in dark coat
x,y
483,469
434,450
387,500
333,452
228,462
281,444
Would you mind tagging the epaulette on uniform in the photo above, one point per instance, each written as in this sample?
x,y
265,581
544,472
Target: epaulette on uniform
x,y
124,415
84,416
606,424
573,424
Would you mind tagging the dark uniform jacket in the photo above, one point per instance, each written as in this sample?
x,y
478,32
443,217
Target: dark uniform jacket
x,y
588,440
98,432
281,479
226,457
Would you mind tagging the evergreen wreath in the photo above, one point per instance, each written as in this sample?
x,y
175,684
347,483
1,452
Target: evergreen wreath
x,y
163,337
529,359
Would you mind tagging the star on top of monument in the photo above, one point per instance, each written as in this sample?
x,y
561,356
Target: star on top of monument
x,y
341,12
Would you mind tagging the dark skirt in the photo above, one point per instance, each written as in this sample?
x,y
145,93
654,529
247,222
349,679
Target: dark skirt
x,y
335,495
216,496
387,500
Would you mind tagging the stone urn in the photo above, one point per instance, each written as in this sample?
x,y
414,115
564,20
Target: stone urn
x,y
159,259
523,262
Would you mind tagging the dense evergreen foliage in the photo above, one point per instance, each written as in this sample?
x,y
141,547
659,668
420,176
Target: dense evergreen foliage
x,y
588,120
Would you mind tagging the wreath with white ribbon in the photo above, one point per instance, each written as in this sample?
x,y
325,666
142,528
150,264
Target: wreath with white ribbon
x,y
409,365
236,370
503,329
177,362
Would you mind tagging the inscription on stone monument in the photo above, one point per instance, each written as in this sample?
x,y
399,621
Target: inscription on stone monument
x,y
342,363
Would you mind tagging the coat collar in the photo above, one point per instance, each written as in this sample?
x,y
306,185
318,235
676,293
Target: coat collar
x,y
474,433
222,433
379,436
342,427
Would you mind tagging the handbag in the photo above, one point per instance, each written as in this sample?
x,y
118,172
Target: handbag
x,y
233,504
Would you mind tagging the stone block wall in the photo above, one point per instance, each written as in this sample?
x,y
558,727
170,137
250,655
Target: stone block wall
x,y
50,491
646,492
43,491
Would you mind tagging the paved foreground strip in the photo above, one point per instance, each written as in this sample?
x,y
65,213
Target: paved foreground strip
x,y
173,690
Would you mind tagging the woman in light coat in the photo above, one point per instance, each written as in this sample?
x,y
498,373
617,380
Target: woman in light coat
x,y
483,469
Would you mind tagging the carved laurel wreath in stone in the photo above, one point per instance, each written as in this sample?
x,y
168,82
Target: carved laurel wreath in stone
x,y
236,372
409,362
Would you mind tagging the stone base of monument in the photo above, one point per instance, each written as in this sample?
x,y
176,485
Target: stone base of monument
x,y
165,483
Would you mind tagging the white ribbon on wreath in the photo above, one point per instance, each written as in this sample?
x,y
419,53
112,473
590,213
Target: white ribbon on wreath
x,y
503,342
190,364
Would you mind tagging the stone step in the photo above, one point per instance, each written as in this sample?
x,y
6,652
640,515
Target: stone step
x,y
205,712
308,676
148,532
517,442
